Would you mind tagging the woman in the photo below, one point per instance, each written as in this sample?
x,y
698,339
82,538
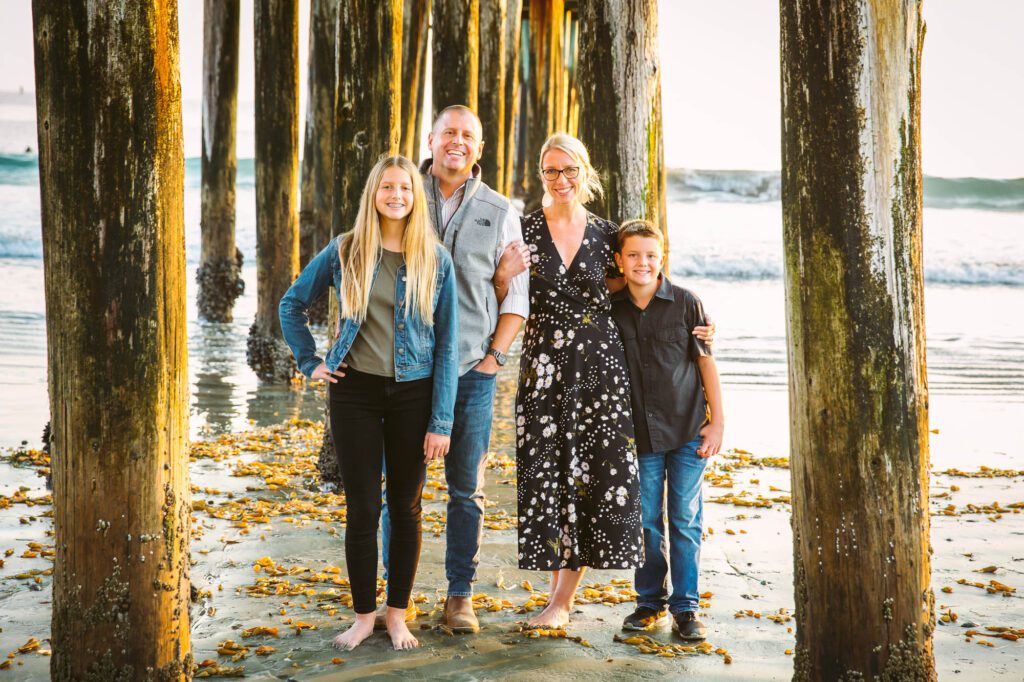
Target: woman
x,y
578,494
396,397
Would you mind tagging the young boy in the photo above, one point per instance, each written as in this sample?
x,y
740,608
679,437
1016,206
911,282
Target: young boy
x,y
677,412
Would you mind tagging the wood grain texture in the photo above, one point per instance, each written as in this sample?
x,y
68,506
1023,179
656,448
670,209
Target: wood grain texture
x,y
415,29
491,95
851,199
277,195
620,107
368,115
316,180
455,56
546,84
111,171
219,275
513,37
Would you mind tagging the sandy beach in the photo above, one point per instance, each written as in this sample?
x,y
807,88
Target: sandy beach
x,y
267,552
253,464
900,151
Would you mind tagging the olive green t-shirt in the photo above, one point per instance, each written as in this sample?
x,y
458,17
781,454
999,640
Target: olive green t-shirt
x,y
373,351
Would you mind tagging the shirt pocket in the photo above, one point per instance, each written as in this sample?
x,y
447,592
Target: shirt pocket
x,y
672,344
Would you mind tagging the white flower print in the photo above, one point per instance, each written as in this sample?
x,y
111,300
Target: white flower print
x,y
574,382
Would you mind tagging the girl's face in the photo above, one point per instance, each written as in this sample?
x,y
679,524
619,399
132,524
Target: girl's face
x,y
561,174
394,194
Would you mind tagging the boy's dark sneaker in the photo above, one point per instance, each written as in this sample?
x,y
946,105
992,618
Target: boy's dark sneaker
x,y
645,618
687,625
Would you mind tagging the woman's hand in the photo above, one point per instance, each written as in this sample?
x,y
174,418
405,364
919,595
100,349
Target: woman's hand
x,y
706,333
435,446
321,373
711,436
514,260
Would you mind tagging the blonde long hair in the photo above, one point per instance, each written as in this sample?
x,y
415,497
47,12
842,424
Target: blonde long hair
x,y
360,249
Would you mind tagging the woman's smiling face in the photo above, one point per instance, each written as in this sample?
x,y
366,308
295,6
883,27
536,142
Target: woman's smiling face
x,y
562,189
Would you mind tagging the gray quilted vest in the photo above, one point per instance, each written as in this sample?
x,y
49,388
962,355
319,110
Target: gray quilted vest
x,y
472,237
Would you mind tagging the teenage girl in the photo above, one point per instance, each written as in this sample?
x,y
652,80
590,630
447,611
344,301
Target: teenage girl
x,y
392,373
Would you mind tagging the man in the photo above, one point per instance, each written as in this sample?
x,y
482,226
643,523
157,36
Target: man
x,y
481,230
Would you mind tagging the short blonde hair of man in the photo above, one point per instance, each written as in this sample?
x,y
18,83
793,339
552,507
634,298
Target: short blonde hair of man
x,y
588,179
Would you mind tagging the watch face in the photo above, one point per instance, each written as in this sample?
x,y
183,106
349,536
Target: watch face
x,y
498,355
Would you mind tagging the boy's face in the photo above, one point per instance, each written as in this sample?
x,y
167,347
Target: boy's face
x,y
640,259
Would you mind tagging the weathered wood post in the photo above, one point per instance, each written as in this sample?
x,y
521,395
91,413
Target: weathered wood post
x,y
546,75
858,395
491,95
571,111
368,116
513,28
455,56
111,175
317,173
277,165
620,107
415,25
219,276
368,120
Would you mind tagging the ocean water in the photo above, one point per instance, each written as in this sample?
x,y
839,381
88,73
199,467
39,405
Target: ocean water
x,y
726,245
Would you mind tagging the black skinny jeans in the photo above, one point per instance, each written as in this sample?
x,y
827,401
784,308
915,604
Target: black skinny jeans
x,y
374,417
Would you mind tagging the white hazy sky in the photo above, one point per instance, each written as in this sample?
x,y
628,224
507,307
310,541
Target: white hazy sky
x,y
720,81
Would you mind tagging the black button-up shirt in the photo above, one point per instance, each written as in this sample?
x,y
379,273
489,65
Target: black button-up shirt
x,y
668,400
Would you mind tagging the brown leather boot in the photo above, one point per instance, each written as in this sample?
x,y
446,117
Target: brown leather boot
x,y
379,616
459,615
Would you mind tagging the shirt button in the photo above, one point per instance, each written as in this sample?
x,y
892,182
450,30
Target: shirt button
x,y
401,325
401,351
403,278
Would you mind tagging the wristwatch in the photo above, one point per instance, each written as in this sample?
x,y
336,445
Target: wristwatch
x,y
500,357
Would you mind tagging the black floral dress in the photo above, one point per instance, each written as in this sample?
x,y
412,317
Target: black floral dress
x,y
578,482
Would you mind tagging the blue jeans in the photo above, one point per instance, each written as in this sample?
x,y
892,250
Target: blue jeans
x,y
683,471
464,474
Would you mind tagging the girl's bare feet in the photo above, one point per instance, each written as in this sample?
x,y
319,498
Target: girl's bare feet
x,y
398,631
360,630
553,616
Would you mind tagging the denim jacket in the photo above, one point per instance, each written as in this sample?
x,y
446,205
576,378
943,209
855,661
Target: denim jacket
x,y
420,350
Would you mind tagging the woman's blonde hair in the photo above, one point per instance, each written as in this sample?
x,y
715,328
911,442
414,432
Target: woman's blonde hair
x,y
360,249
588,180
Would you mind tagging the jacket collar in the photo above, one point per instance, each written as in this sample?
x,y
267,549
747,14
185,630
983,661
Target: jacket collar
x,y
471,185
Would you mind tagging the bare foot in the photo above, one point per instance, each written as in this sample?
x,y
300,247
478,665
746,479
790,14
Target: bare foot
x,y
398,631
554,616
353,637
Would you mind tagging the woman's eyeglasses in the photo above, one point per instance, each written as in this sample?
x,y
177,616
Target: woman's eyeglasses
x,y
551,174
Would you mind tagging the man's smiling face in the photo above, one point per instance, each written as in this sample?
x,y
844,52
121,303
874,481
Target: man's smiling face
x,y
455,142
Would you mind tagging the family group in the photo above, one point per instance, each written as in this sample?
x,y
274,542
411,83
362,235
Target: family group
x,y
618,406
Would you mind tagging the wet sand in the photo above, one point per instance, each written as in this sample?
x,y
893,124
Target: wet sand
x,y
268,551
